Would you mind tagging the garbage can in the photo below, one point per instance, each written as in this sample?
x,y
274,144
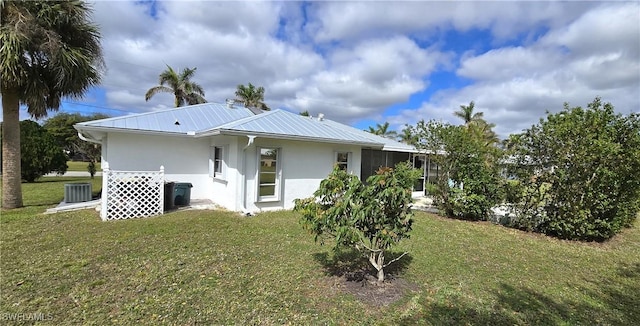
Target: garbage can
x,y
169,189
183,193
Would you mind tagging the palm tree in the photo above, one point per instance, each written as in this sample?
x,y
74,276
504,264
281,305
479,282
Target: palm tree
x,y
383,130
180,85
251,97
467,114
408,135
484,130
480,127
50,50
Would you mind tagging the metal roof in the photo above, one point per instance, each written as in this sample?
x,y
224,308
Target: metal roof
x,y
389,144
183,120
283,124
213,118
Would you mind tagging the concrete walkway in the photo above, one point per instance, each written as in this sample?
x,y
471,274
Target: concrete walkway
x,y
423,203
65,207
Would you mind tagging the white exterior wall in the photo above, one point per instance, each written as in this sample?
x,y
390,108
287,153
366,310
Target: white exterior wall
x,y
224,189
184,159
303,166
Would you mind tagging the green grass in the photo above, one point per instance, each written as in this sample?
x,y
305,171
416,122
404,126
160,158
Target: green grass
x,y
81,166
49,191
213,267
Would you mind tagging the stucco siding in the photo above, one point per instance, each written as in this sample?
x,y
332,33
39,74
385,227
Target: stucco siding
x,y
224,188
304,165
184,159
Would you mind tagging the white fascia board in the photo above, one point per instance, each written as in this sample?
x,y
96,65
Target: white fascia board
x,y
208,132
387,148
299,138
83,128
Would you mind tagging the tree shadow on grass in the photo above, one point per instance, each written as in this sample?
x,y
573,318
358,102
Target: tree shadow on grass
x,y
354,266
613,301
353,273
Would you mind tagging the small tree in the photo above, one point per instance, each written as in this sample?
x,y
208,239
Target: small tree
x,y
61,128
40,154
372,217
578,171
469,182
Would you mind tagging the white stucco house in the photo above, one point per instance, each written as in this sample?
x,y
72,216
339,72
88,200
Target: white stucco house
x,y
242,159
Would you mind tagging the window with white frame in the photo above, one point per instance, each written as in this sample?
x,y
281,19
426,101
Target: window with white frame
x,y
343,160
269,174
216,162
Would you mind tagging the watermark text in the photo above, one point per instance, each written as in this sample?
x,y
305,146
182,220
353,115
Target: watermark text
x,y
20,316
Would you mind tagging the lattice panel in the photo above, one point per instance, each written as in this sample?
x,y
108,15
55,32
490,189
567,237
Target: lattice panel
x,y
133,194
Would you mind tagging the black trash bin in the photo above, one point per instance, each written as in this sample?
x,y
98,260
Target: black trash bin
x,y
183,193
169,189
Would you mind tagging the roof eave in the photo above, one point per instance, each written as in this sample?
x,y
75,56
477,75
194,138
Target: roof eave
x,y
233,132
399,149
83,128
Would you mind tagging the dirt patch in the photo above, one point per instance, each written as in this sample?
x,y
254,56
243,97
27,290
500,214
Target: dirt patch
x,y
350,273
371,293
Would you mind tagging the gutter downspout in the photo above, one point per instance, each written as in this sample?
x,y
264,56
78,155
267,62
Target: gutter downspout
x,y
243,182
81,136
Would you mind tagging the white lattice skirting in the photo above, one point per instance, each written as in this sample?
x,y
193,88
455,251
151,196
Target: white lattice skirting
x,y
132,194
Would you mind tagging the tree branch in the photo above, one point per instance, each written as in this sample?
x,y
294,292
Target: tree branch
x,y
372,250
395,259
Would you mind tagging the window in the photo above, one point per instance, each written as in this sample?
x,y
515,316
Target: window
x,y
216,163
268,174
343,160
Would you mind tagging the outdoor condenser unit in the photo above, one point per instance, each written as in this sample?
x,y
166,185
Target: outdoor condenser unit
x,y
77,192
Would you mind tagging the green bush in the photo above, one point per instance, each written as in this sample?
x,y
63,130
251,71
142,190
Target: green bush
x,y
512,190
469,183
579,171
39,152
431,189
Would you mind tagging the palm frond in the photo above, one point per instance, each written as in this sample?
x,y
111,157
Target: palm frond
x,y
155,90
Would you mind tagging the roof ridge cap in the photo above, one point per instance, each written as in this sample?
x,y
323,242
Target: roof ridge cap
x,y
243,120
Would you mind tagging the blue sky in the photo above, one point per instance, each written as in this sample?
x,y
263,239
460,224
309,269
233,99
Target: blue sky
x,y
364,63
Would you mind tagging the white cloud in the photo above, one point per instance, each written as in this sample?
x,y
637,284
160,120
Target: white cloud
x,y
336,21
367,78
603,29
229,43
574,63
504,63
352,60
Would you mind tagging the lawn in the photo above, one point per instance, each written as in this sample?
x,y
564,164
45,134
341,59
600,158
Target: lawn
x,y
81,166
215,267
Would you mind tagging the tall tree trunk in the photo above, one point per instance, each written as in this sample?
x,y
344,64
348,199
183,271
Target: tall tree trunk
x,y
11,170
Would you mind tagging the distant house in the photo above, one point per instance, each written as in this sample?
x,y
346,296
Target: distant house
x,y
241,159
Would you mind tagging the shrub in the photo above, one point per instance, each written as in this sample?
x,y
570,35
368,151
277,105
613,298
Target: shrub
x,y
39,152
469,183
579,171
